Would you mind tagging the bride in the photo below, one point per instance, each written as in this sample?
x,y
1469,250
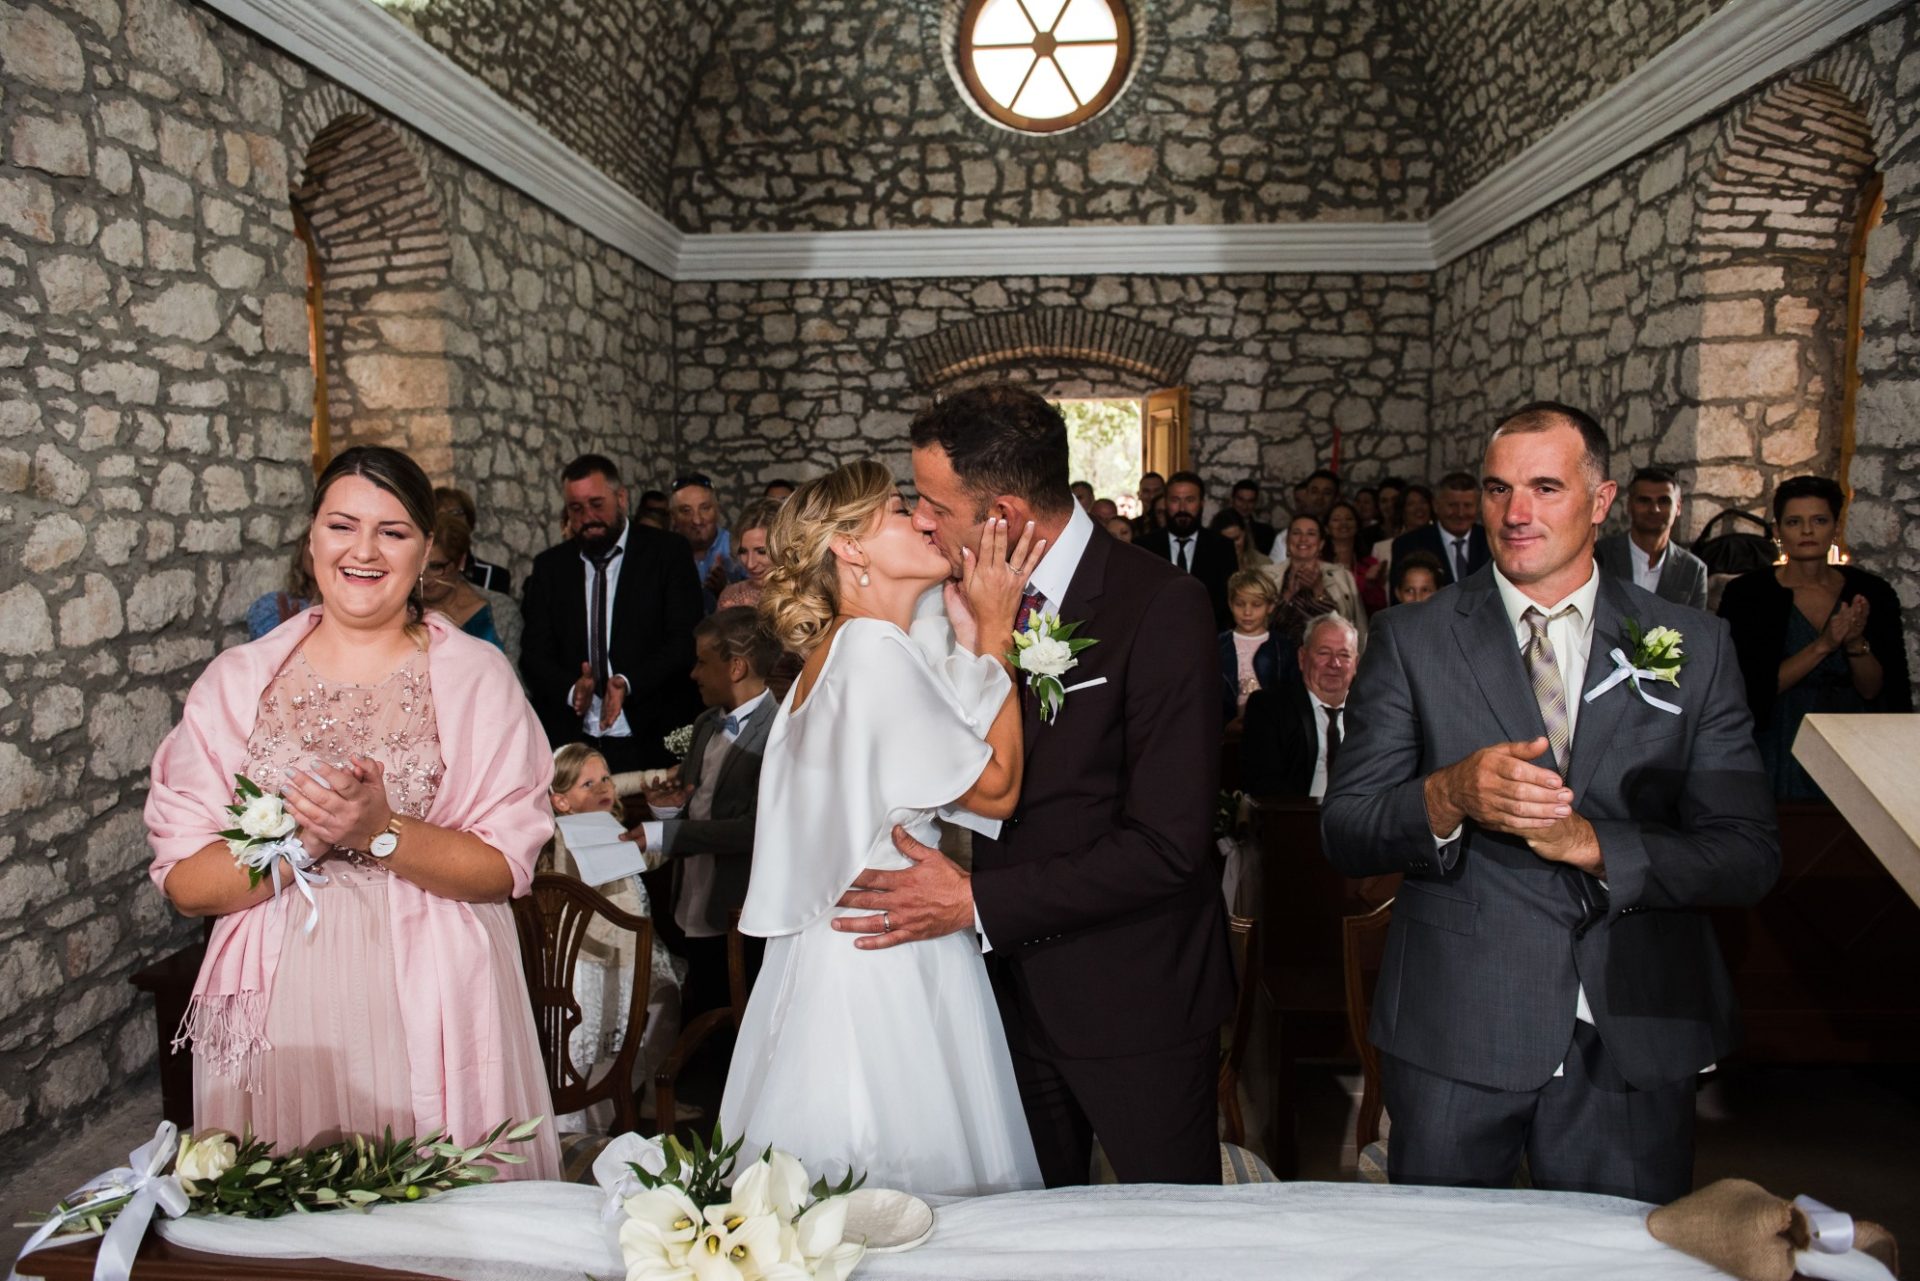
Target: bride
x,y
892,1061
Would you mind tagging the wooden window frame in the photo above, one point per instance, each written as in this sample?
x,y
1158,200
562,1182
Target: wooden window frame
x,y
1101,100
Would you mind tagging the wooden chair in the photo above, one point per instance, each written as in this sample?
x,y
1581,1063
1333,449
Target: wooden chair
x,y
695,1034
552,921
1364,940
1246,946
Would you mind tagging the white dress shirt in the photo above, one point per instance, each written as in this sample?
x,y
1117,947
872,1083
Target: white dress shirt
x,y
591,721
655,829
1646,574
697,873
1318,788
1183,549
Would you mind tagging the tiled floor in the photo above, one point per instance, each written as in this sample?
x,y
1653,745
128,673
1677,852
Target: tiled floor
x,y
1850,1137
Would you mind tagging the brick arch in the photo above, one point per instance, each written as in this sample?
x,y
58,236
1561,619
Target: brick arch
x,y
1786,173
385,254
1069,334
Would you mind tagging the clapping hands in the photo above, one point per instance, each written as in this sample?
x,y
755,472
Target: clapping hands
x,y
339,807
1846,625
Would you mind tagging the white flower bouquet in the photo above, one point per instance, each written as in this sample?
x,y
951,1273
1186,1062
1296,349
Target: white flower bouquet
x,y
680,742
1046,649
680,1221
264,837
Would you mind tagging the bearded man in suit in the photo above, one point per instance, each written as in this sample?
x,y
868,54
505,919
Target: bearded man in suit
x,y
1098,901
1552,985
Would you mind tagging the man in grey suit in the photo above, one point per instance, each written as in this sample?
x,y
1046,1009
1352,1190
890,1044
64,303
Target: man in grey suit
x,y
1646,555
704,819
1551,986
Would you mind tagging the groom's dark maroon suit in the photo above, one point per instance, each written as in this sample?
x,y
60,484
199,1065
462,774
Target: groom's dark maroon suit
x,y
1101,899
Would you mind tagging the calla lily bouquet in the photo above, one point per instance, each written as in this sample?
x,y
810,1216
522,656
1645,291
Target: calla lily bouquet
x,y
681,1221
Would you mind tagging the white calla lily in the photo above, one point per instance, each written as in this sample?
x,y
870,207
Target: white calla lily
x,y
711,1257
821,1227
838,1263
667,1213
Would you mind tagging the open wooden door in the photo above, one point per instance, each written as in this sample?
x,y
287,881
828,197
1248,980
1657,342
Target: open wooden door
x,y
1163,436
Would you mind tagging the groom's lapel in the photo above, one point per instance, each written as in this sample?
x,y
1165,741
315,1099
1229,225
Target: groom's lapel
x,y
1600,718
1083,593
1486,639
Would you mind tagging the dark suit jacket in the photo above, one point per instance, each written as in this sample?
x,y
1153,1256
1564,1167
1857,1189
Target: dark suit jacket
x,y
1490,942
1101,898
1214,562
728,833
655,608
1263,536
1683,576
1275,663
1279,744
1432,540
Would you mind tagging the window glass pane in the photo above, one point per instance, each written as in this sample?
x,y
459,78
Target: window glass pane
x,y
1001,71
1087,67
1046,94
1002,22
1044,12
1086,20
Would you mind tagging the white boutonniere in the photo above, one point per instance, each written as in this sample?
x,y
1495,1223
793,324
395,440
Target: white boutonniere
x,y
264,838
680,741
1658,655
1045,650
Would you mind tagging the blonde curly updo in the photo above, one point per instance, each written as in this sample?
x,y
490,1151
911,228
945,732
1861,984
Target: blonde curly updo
x,y
801,593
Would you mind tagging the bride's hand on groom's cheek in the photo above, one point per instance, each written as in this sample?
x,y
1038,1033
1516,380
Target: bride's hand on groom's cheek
x,y
926,901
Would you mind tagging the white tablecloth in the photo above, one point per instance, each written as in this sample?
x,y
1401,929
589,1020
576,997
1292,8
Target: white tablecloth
x,y
1303,1231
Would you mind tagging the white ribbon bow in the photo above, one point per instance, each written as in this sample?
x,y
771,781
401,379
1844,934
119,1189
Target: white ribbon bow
x,y
1830,1254
1623,670
146,1189
289,850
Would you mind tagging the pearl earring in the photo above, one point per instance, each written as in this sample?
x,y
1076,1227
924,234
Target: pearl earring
x,y
864,580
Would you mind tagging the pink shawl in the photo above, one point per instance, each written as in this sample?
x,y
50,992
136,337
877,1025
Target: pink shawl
x,y
498,768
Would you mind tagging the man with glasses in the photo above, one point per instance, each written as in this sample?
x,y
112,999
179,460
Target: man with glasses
x,y
695,513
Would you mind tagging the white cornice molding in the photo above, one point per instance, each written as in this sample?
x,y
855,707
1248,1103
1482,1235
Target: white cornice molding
x,y
1731,52
378,57
1058,251
368,50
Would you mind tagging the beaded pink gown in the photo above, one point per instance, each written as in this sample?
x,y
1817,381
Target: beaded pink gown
x,y
339,1062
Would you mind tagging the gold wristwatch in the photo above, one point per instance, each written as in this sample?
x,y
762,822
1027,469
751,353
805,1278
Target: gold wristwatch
x,y
383,845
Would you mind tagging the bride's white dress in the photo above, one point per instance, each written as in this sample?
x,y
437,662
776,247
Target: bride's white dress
x,y
892,1061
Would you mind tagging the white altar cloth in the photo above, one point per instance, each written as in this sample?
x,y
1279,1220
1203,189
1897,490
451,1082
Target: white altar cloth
x,y
1303,1231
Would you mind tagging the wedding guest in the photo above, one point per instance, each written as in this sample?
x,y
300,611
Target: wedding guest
x,y
779,489
582,785
1082,493
654,511
1232,526
1193,548
1245,500
1645,553
275,608
1252,655
1121,528
1344,548
1813,636
609,626
696,517
1456,539
703,819
445,589
1415,579
1309,585
750,544
1412,509
1152,490
1318,492
484,574
1104,510
1294,729
417,777
1366,502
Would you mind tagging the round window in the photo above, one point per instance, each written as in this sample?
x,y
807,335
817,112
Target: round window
x,y
1044,65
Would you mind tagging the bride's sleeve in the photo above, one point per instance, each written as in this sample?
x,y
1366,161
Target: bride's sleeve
x,y
927,733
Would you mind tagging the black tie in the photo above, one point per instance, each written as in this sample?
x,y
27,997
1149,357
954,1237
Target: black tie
x,y
597,634
1333,736
1186,545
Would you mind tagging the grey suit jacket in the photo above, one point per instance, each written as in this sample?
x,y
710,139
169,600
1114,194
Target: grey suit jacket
x,y
1683,576
1490,942
728,834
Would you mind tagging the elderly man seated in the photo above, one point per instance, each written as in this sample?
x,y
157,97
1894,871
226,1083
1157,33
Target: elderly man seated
x,y
1292,731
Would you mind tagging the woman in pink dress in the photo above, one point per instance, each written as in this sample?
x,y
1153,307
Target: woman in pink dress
x,y
418,775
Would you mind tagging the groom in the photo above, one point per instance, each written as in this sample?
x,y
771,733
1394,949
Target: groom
x,y
1099,904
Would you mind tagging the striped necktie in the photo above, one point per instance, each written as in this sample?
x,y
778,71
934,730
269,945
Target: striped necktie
x,y
1549,687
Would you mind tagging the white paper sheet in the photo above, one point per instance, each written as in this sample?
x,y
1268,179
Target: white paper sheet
x,y
599,853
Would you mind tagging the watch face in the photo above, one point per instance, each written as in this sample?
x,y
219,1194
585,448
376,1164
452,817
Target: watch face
x,y
384,845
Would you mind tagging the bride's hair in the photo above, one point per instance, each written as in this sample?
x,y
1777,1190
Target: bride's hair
x,y
801,593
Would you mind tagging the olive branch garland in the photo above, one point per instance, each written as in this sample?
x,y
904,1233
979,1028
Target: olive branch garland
x,y
356,1173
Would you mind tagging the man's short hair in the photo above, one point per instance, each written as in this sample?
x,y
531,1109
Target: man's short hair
x,y
1456,480
654,498
1404,565
1329,620
779,482
1001,439
1156,475
1544,415
1247,486
739,632
590,465
1654,476
1321,473
1827,491
1188,478
460,498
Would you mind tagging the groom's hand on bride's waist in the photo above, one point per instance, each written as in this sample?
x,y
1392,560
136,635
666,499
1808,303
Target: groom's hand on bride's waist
x,y
929,899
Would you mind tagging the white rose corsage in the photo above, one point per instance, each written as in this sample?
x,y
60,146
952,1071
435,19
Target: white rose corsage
x,y
1657,656
263,837
1045,650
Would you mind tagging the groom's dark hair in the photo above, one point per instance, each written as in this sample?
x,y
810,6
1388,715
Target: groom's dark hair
x,y
1001,439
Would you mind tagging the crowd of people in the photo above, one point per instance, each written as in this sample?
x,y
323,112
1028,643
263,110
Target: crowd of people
x,y
391,720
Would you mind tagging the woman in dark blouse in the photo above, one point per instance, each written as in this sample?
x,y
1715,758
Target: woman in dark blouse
x,y
1813,637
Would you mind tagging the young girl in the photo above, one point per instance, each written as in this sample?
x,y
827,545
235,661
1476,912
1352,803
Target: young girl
x,y
1252,655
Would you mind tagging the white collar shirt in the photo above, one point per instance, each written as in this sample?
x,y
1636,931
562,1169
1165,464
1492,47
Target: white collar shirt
x,y
1054,574
591,721
1646,574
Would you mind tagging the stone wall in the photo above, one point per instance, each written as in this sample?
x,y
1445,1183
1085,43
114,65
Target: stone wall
x,y
1504,73
155,392
608,79
844,114
1696,300
795,377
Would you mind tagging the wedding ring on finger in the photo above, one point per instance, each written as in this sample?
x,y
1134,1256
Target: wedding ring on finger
x,y
886,922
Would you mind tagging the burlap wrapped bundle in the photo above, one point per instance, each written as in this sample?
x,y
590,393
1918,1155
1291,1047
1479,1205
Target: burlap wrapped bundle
x,y
1740,1227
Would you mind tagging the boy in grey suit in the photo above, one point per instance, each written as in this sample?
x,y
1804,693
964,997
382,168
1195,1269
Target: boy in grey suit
x,y
704,819
1550,987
